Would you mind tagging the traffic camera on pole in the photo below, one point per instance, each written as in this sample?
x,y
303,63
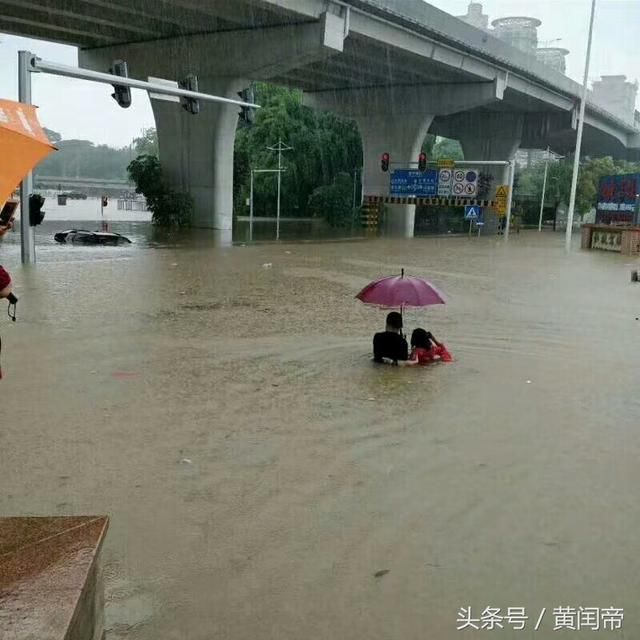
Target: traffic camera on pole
x,y
192,105
122,93
384,162
422,162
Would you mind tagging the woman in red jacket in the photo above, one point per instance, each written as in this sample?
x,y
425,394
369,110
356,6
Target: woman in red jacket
x,y
425,348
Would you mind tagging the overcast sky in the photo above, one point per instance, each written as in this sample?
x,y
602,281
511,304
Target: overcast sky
x,y
80,109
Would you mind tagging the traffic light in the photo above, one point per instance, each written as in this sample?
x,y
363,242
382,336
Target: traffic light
x,y
422,162
105,201
36,214
122,94
384,162
192,105
247,114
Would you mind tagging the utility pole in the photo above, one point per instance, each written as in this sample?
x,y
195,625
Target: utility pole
x,y
544,182
280,147
512,177
576,158
355,188
253,172
544,188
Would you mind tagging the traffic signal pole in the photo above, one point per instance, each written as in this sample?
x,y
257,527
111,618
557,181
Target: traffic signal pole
x,y
27,232
28,63
512,176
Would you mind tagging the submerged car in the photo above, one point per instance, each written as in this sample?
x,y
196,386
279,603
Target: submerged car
x,y
81,236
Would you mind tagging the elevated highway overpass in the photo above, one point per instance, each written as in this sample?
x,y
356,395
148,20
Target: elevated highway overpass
x,y
400,68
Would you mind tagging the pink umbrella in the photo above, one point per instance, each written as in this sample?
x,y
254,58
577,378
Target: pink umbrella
x,y
401,291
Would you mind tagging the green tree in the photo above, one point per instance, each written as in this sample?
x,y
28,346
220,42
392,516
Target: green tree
x,y
169,208
559,180
84,159
147,143
324,145
446,148
334,202
428,144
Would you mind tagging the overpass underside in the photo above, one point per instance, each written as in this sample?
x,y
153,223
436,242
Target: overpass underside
x,y
395,82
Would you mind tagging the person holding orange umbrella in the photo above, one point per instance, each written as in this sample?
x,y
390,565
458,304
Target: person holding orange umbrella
x,y
23,142
4,227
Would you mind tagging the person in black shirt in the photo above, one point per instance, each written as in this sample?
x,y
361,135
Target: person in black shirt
x,y
390,343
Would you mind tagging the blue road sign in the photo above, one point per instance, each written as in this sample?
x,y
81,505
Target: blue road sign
x,y
408,182
473,212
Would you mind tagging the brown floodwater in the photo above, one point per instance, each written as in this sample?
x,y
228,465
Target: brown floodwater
x,y
259,470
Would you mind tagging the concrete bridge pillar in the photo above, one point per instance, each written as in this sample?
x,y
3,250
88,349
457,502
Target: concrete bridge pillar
x,y
402,139
197,152
396,119
492,147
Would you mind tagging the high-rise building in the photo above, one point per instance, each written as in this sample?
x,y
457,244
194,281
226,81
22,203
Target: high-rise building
x,y
616,95
475,17
555,57
519,31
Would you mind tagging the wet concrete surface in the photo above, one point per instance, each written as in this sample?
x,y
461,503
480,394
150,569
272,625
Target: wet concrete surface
x,y
265,480
48,577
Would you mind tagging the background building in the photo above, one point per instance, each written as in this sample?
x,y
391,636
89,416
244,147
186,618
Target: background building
x,y
519,31
475,17
616,95
555,57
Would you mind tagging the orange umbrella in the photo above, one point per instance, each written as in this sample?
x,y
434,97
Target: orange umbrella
x,y
23,144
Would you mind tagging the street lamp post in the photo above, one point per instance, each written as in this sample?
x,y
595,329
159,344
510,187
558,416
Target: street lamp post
x,y
576,159
251,208
544,188
544,184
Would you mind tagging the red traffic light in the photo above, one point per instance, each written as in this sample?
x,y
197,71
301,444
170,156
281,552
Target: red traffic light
x,y
422,162
384,162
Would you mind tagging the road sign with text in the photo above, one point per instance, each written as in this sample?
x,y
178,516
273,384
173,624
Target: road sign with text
x,y
445,180
409,182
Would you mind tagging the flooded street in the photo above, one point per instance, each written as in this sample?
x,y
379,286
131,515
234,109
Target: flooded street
x,y
220,405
